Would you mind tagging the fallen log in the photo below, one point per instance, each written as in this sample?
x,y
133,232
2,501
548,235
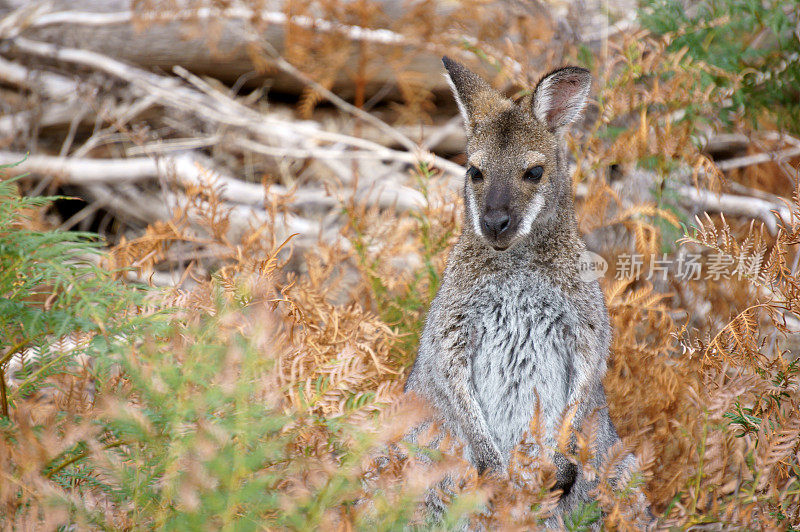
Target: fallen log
x,y
732,205
191,169
181,38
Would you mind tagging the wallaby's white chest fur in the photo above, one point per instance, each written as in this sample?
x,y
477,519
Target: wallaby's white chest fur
x,y
522,346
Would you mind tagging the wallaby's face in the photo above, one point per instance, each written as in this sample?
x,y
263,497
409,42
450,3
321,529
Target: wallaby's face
x,y
514,176
510,181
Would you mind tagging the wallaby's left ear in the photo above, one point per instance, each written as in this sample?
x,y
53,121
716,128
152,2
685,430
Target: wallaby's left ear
x,y
476,99
560,97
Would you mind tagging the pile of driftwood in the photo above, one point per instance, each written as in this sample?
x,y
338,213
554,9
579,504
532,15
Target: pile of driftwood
x,y
100,121
129,115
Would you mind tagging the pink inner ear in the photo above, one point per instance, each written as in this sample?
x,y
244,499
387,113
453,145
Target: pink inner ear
x,y
559,106
561,97
562,101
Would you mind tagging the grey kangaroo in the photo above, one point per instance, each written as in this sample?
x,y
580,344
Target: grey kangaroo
x,y
513,319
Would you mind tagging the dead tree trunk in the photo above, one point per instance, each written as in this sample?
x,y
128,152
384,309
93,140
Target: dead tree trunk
x,y
211,42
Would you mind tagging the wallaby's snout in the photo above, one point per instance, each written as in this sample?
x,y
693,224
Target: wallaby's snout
x,y
496,223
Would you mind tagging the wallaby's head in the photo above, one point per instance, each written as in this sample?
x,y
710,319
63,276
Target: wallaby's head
x,y
516,176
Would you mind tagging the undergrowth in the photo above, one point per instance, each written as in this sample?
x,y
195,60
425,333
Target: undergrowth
x,y
122,415
757,39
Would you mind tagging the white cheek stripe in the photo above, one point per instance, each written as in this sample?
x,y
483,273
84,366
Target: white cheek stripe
x,y
530,215
473,210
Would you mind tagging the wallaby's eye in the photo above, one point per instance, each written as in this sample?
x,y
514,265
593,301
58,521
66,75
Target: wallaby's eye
x,y
474,174
533,174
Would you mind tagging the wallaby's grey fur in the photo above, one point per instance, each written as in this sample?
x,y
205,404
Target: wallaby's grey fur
x,y
513,319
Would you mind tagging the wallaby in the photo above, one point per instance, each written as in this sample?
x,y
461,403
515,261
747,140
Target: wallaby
x,y
513,321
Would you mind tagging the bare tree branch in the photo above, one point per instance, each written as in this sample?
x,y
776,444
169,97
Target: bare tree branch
x,y
220,108
193,169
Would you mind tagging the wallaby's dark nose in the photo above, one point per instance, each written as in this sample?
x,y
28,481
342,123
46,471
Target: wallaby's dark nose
x,y
495,222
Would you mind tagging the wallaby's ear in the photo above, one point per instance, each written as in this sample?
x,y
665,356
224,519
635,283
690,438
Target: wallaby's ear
x,y
476,99
560,97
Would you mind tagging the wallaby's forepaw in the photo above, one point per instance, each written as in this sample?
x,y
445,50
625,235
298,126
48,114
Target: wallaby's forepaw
x,y
487,458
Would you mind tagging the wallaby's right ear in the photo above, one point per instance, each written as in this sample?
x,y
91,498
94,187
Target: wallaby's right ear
x,y
476,99
560,97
